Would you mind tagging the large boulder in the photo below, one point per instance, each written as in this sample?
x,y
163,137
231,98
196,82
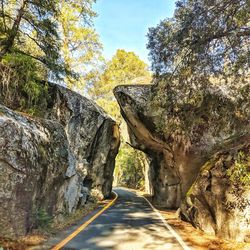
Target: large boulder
x,y
33,162
175,158
93,138
54,162
219,200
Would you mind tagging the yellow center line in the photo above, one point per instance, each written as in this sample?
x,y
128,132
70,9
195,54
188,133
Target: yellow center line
x,y
83,226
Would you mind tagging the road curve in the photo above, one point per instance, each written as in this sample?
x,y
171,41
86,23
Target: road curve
x,y
130,224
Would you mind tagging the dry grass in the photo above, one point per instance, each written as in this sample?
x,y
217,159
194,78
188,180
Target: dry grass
x,y
198,239
195,237
74,218
22,243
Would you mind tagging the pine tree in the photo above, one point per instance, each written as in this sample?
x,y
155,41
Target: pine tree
x,y
81,47
124,68
34,22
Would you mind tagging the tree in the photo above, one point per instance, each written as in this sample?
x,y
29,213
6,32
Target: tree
x,y
81,47
130,168
123,68
35,22
44,40
204,39
204,46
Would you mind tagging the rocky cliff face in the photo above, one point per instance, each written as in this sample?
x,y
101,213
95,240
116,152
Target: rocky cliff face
x,y
176,159
53,162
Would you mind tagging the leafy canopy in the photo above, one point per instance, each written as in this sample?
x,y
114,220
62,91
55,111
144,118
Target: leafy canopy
x,y
31,23
239,173
130,167
203,39
124,68
57,34
81,48
200,58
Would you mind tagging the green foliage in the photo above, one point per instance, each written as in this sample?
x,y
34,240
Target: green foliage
x,y
24,83
25,67
130,166
204,38
44,40
43,219
81,47
54,33
111,107
30,28
200,58
124,68
240,171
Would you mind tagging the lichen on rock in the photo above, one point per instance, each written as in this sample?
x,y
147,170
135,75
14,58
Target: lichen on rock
x,y
218,204
54,162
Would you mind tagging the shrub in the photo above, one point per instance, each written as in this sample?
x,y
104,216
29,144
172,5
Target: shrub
x,y
43,219
240,171
21,83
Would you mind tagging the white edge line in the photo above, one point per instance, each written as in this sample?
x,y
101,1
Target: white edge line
x,y
173,232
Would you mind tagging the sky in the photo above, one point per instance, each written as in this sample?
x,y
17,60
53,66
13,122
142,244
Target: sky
x,y
123,24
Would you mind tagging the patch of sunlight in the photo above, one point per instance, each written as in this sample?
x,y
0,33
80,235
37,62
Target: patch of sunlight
x,y
139,215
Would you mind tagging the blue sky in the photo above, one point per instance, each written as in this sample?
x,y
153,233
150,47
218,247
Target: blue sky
x,y
123,24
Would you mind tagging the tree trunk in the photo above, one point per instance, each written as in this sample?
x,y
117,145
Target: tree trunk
x,y
13,32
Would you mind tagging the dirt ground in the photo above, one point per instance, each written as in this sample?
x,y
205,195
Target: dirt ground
x,y
198,239
195,237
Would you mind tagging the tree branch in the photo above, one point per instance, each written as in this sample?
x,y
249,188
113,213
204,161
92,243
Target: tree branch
x,y
3,14
14,30
29,55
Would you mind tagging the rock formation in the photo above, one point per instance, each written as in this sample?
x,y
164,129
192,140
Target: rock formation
x,y
219,201
55,161
176,159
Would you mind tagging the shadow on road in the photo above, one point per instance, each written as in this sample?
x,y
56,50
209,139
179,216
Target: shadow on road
x,y
129,224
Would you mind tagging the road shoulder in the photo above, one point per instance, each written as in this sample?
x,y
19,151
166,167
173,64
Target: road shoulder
x,y
64,233
192,236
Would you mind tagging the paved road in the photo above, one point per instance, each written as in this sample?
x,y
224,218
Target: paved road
x,y
130,224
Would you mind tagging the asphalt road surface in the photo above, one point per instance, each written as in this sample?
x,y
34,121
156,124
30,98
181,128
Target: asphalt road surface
x,y
130,224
